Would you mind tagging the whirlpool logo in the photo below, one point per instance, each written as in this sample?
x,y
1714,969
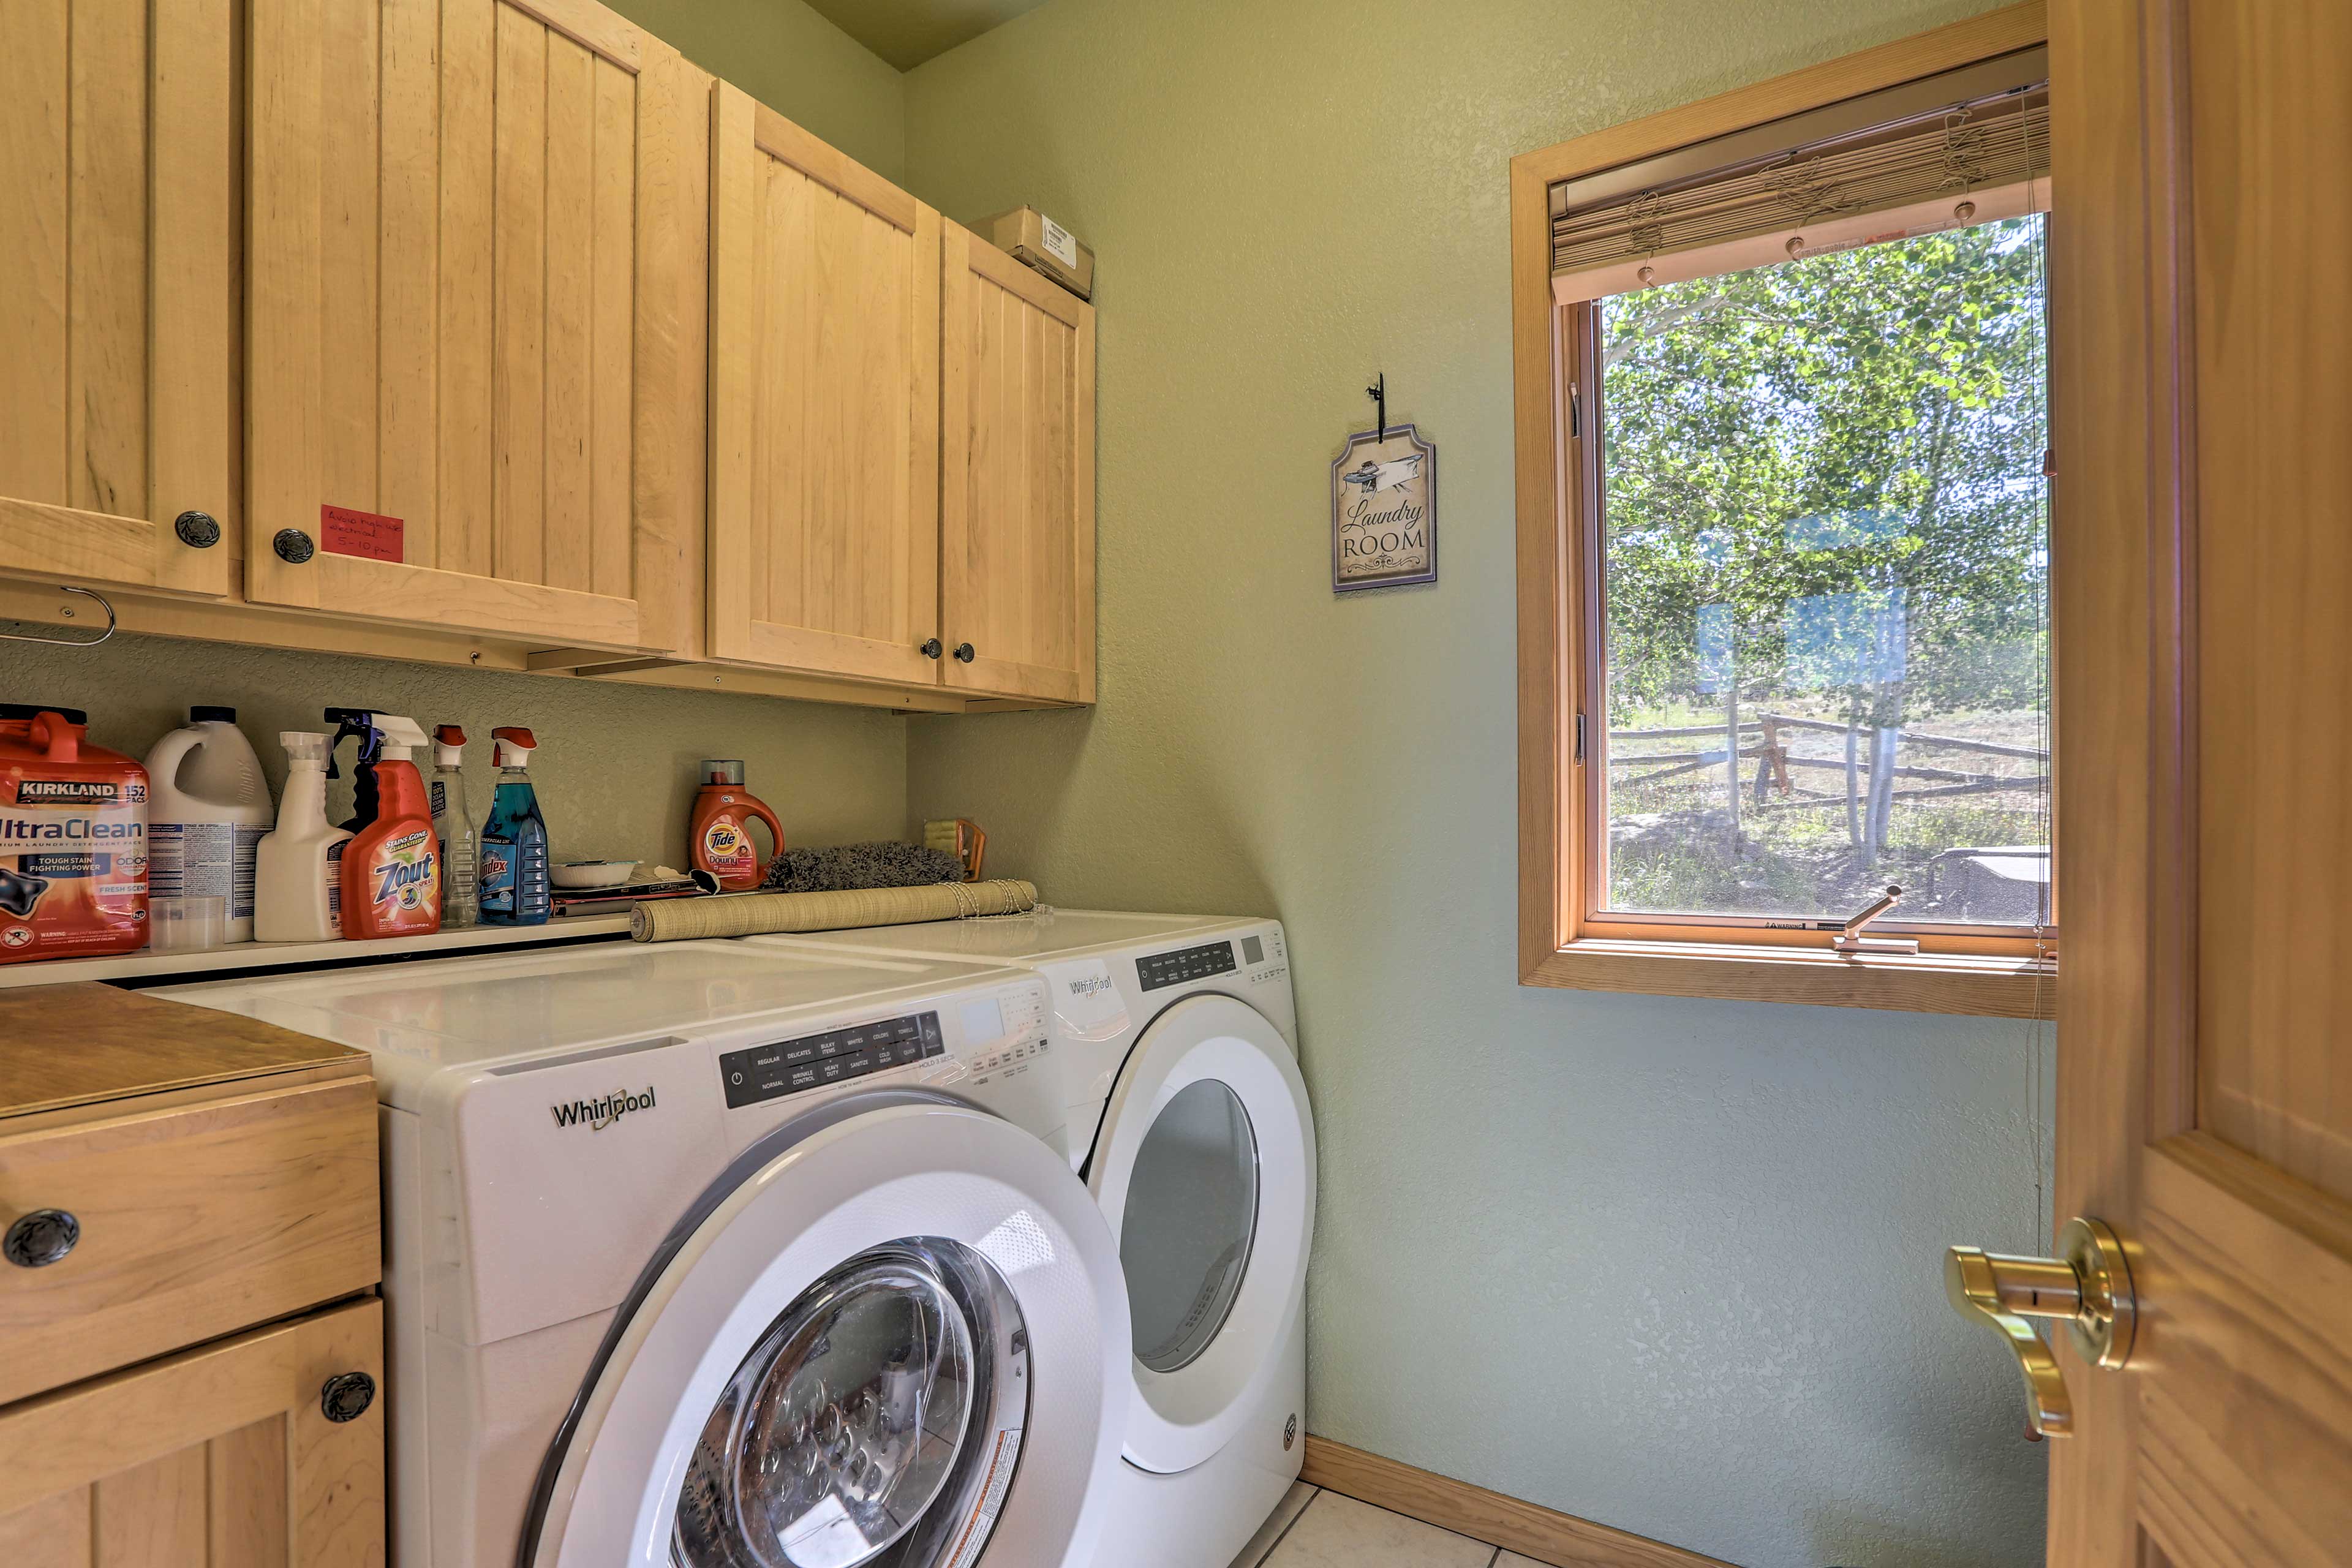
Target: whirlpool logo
x,y
599,1113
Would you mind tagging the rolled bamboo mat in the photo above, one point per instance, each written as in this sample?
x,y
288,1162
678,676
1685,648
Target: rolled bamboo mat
x,y
760,914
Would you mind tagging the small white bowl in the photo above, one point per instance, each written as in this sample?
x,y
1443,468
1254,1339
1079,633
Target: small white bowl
x,y
592,873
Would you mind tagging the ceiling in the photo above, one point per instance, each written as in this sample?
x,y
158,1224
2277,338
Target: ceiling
x,y
908,32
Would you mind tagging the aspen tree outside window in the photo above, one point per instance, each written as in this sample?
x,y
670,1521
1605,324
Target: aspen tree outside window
x,y
1800,650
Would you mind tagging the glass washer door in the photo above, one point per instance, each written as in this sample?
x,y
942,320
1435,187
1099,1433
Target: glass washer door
x,y
1190,1215
865,1424
1205,1168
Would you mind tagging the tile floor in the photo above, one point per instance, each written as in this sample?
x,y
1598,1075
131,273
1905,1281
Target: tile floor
x,y
1314,1529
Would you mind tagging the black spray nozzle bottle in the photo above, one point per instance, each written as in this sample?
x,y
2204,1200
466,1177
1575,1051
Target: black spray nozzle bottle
x,y
359,721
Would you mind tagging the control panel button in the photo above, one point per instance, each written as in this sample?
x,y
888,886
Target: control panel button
x,y
816,1061
1157,970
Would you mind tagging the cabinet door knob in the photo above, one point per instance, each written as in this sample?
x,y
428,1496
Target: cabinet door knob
x,y
346,1396
39,1238
293,546
929,648
964,654
197,530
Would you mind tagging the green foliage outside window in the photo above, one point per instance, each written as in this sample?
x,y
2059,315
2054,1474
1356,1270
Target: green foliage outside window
x,y
1825,503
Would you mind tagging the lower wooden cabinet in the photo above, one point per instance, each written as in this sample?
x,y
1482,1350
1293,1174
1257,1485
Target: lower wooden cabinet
x,y
191,1350
262,1450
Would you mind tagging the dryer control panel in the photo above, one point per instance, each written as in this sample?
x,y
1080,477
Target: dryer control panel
x,y
1157,971
813,1062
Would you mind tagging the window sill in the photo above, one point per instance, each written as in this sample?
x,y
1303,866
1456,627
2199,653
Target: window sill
x,y
1926,983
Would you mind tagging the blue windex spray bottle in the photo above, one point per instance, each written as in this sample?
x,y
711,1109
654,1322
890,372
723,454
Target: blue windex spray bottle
x,y
514,841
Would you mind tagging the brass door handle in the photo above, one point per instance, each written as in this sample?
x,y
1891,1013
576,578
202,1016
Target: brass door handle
x,y
2088,1284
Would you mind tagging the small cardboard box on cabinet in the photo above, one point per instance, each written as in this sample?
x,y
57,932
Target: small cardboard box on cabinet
x,y
1030,236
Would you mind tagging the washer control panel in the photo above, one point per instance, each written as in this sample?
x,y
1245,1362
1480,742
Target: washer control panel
x,y
816,1061
1157,970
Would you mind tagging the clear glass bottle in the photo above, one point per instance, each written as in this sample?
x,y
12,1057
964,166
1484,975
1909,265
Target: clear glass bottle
x,y
453,825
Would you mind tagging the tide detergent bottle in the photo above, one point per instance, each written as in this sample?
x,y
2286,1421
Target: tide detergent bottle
x,y
514,841
392,866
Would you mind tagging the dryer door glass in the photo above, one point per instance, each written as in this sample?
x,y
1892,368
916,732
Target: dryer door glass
x,y
1191,1209
870,1424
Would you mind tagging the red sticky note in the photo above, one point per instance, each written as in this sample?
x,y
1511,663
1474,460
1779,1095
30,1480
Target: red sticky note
x,y
364,533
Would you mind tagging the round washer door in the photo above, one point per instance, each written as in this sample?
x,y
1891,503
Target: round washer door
x,y
1205,1171
900,1344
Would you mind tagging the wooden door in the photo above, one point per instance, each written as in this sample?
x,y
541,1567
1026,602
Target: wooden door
x,y
2203,562
462,315
824,376
221,1458
114,292
1017,464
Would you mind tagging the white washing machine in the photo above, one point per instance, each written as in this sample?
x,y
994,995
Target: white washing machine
x,y
1176,1041
707,1256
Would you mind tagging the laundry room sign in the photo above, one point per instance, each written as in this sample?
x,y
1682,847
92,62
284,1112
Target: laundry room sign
x,y
1383,509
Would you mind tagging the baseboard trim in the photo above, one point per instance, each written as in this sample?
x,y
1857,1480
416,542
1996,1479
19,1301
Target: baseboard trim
x,y
1542,1533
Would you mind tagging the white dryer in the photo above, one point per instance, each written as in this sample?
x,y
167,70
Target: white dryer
x,y
1176,1042
708,1255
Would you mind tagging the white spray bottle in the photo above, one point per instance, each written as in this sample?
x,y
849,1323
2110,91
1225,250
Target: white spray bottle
x,y
298,876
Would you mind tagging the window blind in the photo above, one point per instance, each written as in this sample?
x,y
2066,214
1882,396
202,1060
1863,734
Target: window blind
x,y
1811,170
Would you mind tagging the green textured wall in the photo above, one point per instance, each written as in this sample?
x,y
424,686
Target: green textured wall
x,y
1670,1265
793,60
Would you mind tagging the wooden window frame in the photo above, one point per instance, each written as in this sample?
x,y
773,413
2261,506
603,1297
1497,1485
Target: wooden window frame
x,y
1998,975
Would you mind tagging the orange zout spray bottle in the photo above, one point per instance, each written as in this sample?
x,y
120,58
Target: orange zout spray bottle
x,y
391,867
720,843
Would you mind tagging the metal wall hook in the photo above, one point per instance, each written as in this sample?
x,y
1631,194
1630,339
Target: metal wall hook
x,y
71,642
1378,392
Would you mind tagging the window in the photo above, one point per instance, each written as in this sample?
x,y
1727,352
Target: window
x,y
1823,629
1789,639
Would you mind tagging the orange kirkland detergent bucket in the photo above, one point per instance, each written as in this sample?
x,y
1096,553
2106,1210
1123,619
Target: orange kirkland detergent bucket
x,y
73,839
391,867
720,838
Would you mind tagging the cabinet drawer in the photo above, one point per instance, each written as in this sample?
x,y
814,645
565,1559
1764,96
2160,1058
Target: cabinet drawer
x,y
194,1221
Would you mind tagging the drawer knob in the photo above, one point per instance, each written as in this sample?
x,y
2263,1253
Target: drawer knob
x,y
293,546
347,1396
197,530
40,1238
963,652
929,648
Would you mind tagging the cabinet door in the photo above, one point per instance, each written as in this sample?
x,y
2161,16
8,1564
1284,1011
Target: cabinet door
x,y
115,292
1017,498
461,275
824,364
221,1458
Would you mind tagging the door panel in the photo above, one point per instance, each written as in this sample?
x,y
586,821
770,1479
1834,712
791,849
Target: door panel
x,y
453,303
1017,516
2204,815
221,1458
114,215
824,406
2273,122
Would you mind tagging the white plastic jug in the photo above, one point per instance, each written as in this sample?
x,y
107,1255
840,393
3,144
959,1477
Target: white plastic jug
x,y
207,808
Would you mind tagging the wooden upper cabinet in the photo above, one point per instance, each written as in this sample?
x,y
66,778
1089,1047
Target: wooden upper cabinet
x,y
824,373
463,314
1017,495
115,303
